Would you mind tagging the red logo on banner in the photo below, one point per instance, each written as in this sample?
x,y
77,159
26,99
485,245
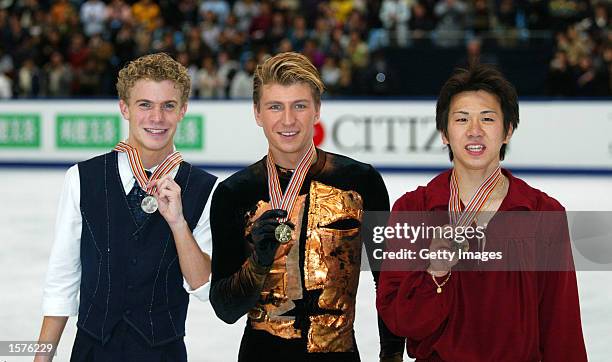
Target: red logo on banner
x,y
319,133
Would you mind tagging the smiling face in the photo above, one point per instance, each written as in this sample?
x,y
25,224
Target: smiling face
x,y
287,114
475,131
153,110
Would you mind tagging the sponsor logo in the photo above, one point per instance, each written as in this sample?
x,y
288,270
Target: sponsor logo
x,y
190,133
389,134
20,130
87,130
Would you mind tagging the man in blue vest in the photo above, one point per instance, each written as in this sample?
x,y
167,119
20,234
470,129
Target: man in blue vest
x,y
132,234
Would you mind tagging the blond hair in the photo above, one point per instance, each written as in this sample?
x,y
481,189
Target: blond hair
x,y
156,67
287,69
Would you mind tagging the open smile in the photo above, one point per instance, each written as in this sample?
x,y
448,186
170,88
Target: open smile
x,y
475,149
156,131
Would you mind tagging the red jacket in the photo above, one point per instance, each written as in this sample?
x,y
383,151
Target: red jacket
x,y
484,316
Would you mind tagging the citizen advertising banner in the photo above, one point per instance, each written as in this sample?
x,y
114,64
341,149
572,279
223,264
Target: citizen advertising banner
x,y
397,135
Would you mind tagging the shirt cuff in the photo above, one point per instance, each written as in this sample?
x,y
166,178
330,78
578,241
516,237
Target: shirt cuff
x,y
58,307
201,293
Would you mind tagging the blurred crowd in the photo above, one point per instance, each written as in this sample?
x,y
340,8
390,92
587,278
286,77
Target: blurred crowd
x,y
71,48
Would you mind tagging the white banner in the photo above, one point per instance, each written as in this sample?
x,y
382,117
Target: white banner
x,y
392,135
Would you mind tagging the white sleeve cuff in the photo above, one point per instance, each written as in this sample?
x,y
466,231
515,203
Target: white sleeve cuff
x,y
201,293
59,307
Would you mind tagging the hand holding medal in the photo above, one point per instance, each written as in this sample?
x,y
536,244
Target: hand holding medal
x,y
167,194
263,235
160,183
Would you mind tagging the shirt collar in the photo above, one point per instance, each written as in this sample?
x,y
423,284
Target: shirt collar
x,y
125,171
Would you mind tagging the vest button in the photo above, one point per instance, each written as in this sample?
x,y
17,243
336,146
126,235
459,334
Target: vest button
x,y
134,261
128,312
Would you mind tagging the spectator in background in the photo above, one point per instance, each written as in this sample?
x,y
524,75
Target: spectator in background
x,y
211,31
560,80
220,8
242,83
577,44
28,79
89,78
451,22
358,51
143,42
284,46
195,47
58,77
192,70
227,68
209,84
93,16
245,11
231,39
125,45
6,86
6,61
346,79
62,15
313,53
146,14
395,15
188,10
330,74
118,15
590,82
278,29
77,51
321,33
480,17
298,33
261,23
421,23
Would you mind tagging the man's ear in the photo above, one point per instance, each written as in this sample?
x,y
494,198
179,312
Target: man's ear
x,y
444,138
124,109
509,134
257,115
182,111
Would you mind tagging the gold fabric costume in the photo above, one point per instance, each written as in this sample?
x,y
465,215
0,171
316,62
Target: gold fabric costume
x,y
332,262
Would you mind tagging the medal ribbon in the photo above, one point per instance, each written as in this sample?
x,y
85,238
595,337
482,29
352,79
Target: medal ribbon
x,y
287,201
164,168
466,217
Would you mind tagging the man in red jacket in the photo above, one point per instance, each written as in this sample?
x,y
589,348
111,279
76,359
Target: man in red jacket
x,y
449,313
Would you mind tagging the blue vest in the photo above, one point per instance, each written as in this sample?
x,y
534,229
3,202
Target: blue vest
x,y
132,272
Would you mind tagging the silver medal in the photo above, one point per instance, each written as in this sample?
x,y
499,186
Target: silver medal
x,y
149,204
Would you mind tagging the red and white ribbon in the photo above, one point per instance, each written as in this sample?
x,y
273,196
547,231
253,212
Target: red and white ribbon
x,y
465,217
138,170
287,201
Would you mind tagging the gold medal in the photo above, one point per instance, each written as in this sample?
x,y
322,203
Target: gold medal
x,y
286,201
282,233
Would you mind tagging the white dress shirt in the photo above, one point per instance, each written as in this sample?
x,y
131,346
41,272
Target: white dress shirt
x,y
60,295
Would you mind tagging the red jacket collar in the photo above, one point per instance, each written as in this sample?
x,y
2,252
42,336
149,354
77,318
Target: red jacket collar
x,y
438,193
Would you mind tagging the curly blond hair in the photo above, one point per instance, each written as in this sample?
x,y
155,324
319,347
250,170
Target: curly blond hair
x,y
156,67
286,69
